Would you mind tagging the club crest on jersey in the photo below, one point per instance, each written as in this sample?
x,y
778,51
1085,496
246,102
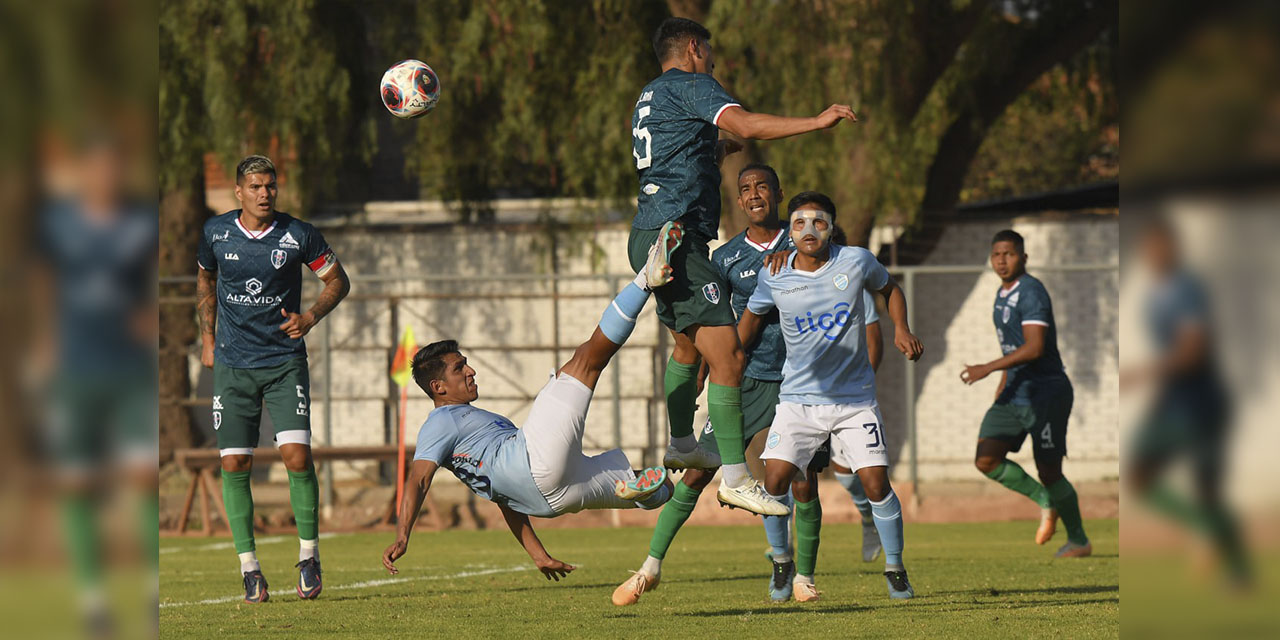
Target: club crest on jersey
x,y
253,286
711,291
288,242
278,257
1007,311
841,281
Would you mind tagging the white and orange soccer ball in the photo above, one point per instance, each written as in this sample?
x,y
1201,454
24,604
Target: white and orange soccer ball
x,y
410,89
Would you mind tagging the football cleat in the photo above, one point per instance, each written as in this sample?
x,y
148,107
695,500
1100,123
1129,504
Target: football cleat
x,y
899,586
870,541
1048,525
642,486
752,497
255,587
630,591
699,458
309,584
1073,550
805,591
657,269
780,585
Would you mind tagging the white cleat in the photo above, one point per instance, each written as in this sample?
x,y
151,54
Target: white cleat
x,y
657,269
1073,550
752,497
698,458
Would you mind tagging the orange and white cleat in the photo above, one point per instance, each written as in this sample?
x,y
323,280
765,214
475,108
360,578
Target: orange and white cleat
x,y
1048,525
643,486
629,592
805,591
657,270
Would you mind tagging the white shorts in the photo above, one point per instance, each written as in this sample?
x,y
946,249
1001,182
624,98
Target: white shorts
x,y
569,480
856,432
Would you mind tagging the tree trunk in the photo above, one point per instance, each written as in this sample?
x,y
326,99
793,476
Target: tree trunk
x,y
182,215
977,107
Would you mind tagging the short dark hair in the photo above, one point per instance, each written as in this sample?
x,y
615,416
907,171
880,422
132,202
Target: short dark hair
x,y
672,35
428,363
1009,235
768,170
806,197
254,164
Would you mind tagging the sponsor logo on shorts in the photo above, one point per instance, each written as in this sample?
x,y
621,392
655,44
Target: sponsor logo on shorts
x,y
711,291
841,281
773,441
278,257
217,402
217,420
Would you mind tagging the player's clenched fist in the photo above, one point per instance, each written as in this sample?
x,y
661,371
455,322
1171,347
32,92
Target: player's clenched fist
x,y
908,344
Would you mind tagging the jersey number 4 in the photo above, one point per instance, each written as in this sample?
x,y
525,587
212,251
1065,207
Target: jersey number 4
x,y
641,135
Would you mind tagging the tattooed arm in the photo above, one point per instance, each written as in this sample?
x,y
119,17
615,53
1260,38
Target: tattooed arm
x,y
336,287
207,310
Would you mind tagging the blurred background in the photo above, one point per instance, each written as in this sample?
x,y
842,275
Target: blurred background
x,y
500,219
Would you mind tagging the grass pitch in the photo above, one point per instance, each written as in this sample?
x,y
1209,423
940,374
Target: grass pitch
x,y
970,579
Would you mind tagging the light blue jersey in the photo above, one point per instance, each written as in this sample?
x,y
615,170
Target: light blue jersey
x,y
823,316
486,452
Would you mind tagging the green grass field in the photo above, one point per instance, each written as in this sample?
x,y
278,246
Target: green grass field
x,y
969,579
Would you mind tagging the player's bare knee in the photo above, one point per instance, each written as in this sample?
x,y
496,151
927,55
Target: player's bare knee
x,y
876,485
684,352
232,464
987,464
296,458
804,490
697,479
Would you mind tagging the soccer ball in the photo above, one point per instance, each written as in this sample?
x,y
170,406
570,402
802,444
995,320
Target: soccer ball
x,y
410,89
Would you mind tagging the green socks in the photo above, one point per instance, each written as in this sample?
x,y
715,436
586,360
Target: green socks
x,y
673,516
1014,478
1210,520
681,386
81,530
239,501
304,497
725,406
808,525
1063,496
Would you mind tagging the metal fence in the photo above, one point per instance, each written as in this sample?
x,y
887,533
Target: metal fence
x,y
549,315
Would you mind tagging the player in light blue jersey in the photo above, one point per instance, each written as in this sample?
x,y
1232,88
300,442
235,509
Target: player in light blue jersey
x,y
539,469
828,386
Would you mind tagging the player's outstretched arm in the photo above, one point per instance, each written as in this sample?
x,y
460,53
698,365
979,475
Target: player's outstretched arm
x,y
415,491
903,339
336,287
1032,348
763,126
207,311
522,529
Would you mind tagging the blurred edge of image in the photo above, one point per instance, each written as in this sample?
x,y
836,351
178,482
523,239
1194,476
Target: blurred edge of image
x,y
1199,372
78,456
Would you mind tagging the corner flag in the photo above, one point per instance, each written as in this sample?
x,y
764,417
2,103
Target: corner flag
x,y
402,363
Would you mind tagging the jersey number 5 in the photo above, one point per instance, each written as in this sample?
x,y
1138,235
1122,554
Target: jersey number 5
x,y
641,134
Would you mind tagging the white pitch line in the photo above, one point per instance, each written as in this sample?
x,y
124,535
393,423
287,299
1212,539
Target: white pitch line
x,y
365,584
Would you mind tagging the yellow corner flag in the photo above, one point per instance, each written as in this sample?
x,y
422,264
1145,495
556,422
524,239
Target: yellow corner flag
x,y
402,363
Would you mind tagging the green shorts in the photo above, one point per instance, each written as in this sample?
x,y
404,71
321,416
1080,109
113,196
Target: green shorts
x,y
1045,419
96,417
238,396
759,400
696,295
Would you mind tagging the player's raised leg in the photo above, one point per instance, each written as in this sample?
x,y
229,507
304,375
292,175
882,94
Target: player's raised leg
x,y
674,514
992,462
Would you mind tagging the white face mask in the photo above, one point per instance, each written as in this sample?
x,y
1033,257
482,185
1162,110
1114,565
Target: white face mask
x,y
810,228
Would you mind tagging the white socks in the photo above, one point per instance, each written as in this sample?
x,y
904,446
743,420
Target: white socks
x,y
308,549
651,567
249,562
802,579
735,475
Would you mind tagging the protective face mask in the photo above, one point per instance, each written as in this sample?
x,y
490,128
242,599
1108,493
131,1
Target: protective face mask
x,y
810,228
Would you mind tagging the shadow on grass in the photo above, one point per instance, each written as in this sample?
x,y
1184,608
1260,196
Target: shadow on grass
x,y
995,593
